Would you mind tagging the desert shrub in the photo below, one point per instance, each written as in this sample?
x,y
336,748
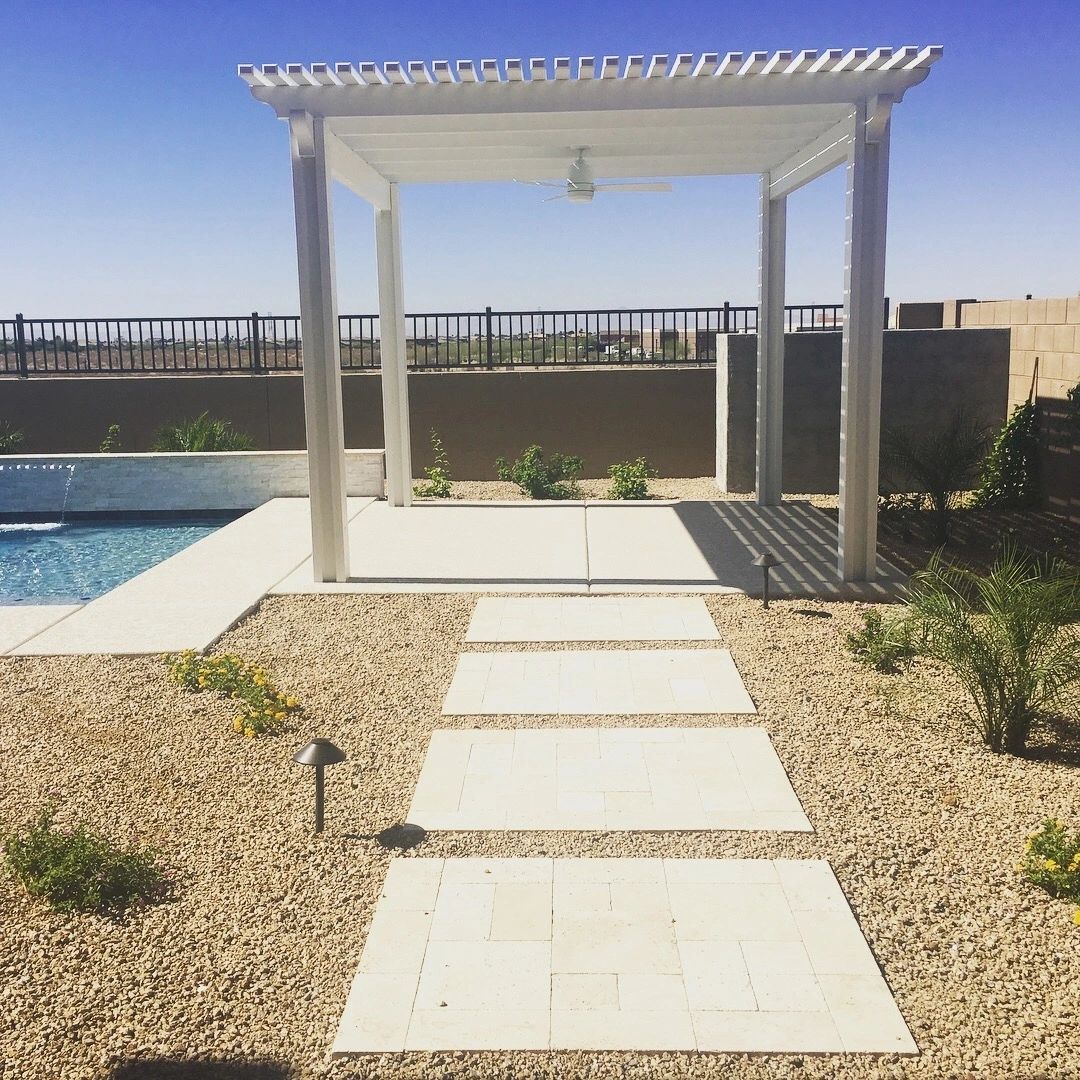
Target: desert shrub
x,y
1010,474
111,443
264,710
438,475
201,435
11,437
80,869
630,479
886,645
553,478
1052,861
1010,636
939,463
898,511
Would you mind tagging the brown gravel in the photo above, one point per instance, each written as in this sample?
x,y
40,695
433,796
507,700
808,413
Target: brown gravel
x,y
253,959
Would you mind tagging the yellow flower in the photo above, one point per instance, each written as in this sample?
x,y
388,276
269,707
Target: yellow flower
x,y
1076,916
291,702
238,723
1019,867
279,716
1051,865
1074,866
249,732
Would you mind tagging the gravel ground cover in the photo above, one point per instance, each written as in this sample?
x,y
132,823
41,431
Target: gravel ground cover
x,y
245,973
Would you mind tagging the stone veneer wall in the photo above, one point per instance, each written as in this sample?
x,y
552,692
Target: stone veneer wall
x,y
1044,334
166,482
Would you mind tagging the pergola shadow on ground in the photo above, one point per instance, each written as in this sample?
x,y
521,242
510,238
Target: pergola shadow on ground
x,y
787,118
597,547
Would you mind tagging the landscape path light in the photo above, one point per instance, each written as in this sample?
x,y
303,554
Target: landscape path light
x,y
766,560
320,753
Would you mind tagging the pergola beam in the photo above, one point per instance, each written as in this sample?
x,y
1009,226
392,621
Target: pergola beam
x,y
356,173
822,155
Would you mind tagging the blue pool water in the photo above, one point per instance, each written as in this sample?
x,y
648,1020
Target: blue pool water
x,y
77,561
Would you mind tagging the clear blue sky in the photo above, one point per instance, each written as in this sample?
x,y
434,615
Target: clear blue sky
x,y
138,176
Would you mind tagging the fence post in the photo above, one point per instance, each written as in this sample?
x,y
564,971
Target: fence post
x,y
20,345
256,348
727,316
487,323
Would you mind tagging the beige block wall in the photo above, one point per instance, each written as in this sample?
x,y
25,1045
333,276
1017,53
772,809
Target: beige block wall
x,y
1047,333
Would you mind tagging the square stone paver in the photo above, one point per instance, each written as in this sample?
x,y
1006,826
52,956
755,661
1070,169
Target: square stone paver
x,y
605,779
597,682
734,955
591,618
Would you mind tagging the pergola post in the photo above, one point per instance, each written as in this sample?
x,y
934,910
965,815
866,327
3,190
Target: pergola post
x,y
322,362
772,244
394,378
864,297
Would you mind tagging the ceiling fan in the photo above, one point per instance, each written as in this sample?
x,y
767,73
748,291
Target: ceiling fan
x,y
580,187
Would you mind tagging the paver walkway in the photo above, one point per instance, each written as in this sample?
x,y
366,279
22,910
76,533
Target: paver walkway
x,y
597,682
585,618
605,778
627,954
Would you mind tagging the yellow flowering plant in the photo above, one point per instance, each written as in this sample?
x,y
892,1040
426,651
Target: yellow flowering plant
x,y
1052,861
264,710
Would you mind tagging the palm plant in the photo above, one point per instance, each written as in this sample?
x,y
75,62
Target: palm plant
x,y
1010,636
201,435
11,438
939,463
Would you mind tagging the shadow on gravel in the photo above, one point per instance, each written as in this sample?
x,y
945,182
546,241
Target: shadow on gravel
x,y
214,1069
1058,742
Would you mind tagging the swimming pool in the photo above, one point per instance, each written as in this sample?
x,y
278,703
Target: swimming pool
x,y
75,561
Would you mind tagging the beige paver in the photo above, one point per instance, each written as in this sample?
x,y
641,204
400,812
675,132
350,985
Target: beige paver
x,y
593,778
591,618
597,682
659,974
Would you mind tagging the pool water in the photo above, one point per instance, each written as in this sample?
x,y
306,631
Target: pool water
x,y
76,561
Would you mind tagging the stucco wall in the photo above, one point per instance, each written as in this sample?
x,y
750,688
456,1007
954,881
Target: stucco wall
x,y
926,375
605,415
116,482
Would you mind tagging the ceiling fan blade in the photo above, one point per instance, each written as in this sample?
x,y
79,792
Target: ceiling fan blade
x,y
540,183
633,187
553,198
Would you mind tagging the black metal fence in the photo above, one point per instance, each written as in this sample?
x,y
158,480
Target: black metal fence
x,y
260,344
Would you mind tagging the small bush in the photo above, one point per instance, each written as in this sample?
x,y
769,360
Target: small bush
x,y
886,645
438,475
202,435
1052,861
554,478
111,443
11,437
80,869
264,710
1011,636
630,479
1010,475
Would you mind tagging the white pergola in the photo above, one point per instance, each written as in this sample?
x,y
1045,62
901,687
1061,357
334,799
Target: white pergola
x,y
787,117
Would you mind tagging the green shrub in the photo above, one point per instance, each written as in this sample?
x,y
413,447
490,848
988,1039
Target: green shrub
x,y
202,435
939,463
630,479
80,869
111,443
886,645
1052,861
438,475
1010,636
11,438
1010,475
264,710
898,511
554,478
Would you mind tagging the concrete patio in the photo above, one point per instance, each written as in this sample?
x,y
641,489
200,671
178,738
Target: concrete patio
x,y
191,599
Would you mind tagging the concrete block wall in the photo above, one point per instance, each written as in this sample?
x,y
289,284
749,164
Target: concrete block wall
x,y
1044,334
926,375
1045,329
105,483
